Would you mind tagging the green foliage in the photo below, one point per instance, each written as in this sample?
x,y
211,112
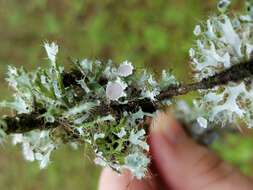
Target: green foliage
x,y
237,150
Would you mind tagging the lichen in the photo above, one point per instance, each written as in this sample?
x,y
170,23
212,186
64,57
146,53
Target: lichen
x,y
225,41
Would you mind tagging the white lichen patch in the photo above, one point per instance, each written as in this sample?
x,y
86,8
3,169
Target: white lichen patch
x,y
225,41
52,50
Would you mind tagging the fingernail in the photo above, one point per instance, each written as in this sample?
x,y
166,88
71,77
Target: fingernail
x,y
166,124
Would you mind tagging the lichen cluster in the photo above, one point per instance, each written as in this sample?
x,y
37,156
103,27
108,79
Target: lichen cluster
x,y
222,41
104,105
77,112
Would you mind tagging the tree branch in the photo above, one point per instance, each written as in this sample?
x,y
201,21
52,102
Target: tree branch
x,y
235,73
22,123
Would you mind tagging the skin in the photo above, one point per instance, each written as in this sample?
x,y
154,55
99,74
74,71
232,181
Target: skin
x,y
178,163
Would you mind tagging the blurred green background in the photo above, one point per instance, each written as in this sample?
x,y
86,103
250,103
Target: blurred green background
x,y
151,34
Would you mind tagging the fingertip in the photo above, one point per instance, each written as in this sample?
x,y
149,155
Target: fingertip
x,y
110,180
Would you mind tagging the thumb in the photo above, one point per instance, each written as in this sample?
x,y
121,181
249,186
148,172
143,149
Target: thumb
x,y
183,164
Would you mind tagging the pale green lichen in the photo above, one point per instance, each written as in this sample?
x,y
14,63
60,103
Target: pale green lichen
x,y
73,107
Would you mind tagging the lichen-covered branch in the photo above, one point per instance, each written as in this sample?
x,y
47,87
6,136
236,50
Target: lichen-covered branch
x,y
103,104
22,123
236,73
